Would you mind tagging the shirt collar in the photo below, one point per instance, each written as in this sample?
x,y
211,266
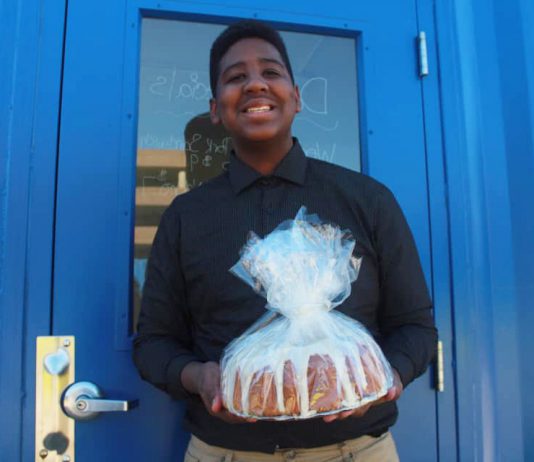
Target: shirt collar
x,y
292,168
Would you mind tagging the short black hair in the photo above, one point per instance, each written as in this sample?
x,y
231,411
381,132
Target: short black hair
x,y
243,29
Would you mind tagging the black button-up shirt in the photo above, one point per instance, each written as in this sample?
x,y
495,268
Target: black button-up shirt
x,y
193,306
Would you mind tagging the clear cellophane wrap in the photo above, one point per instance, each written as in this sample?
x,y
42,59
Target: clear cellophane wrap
x,y
302,359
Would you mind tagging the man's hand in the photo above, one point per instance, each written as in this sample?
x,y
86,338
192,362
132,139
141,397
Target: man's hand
x,y
204,380
393,394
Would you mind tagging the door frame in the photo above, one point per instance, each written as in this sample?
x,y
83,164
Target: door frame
x,y
28,284
31,99
442,296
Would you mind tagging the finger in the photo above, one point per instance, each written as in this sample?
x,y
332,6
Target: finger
x,y
232,418
240,419
389,396
384,399
392,394
217,404
330,418
343,415
360,412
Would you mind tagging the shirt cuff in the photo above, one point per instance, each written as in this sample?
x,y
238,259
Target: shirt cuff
x,y
174,376
403,365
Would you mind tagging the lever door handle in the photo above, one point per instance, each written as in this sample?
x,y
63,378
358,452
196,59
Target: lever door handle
x,y
85,401
87,404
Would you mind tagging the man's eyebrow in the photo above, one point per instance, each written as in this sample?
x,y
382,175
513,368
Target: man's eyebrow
x,y
231,66
262,60
272,60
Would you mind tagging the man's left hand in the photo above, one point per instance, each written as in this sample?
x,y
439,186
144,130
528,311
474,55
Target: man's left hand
x,y
393,394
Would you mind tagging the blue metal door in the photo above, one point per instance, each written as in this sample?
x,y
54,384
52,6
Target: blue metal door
x,y
101,119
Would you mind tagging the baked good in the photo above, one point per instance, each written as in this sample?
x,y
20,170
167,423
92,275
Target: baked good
x,y
303,358
322,384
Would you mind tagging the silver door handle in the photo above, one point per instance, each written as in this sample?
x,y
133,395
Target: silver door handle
x,y
85,401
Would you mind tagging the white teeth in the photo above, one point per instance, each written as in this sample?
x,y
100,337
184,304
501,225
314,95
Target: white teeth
x,y
259,109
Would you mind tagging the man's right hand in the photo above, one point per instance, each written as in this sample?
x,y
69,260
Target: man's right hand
x,y
204,380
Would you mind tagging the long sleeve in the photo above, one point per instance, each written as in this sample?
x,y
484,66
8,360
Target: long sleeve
x,y
405,315
163,345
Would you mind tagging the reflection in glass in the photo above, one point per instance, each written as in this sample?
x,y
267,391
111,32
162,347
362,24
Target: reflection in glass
x,y
178,148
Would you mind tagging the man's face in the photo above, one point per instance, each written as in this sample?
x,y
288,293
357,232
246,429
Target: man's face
x,y
256,99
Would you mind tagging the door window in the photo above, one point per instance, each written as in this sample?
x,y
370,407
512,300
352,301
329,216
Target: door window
x,y
177,146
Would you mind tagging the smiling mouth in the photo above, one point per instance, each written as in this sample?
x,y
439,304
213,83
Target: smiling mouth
x,y
258,109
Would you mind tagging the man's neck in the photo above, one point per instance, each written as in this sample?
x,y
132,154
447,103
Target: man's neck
x,y
263,156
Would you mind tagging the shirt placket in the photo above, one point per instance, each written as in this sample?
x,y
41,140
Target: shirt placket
x,y
268,193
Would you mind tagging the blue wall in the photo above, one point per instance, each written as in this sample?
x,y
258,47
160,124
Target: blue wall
x,y
485,50
517,77
486,54
516,68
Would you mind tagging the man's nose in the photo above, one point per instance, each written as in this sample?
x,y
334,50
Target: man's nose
x,y
256,83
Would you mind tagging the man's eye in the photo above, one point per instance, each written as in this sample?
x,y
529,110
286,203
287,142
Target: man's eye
x,y
236,77
272,72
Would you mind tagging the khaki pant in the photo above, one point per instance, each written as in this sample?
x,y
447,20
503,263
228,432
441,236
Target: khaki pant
x,y
363,449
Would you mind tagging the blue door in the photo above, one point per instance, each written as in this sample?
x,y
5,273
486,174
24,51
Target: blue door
x,y
134,134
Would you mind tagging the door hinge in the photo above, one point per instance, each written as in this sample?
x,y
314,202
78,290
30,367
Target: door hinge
x,y
440,373
423,54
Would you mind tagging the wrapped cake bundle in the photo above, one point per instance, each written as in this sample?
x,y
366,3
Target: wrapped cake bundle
x,y
302,359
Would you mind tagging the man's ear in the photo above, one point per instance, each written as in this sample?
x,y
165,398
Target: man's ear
x,y
214,116
297,96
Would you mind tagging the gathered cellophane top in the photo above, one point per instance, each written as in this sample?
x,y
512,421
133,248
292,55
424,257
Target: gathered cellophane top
x,y
303,358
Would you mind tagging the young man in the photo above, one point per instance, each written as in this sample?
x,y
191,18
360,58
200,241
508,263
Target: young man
x,y
193,307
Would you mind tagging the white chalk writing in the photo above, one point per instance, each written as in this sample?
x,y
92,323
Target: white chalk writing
x,y
318,152
179,85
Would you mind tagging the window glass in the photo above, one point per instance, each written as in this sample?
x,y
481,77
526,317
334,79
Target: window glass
x,y
177,146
